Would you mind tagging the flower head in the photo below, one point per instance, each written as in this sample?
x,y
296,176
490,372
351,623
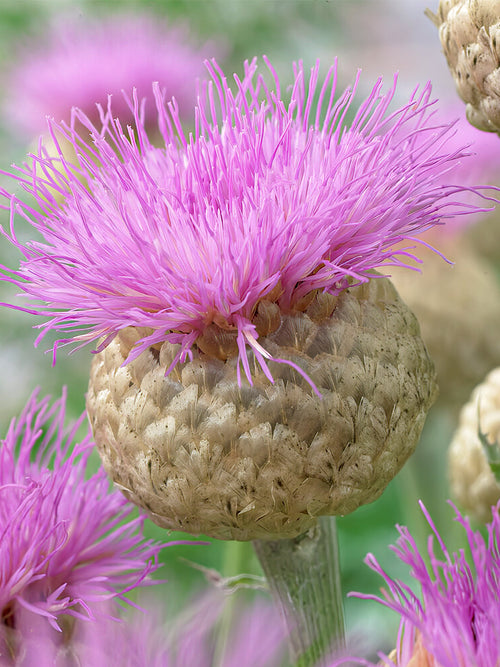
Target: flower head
x,y
81,62
214,235
455,620
66,542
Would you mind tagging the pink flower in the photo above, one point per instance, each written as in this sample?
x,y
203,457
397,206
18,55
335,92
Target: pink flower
x,y
143,637
480,167
455,620
83,61
256,634
67,544
267,201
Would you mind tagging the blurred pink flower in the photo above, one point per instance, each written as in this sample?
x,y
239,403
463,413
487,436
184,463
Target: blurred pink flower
x,y
67,543
81,62
267,200
482,165
144,637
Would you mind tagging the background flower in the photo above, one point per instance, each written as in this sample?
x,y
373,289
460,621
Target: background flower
x,y
474,446
81,61
67,544
455,619
469,35
193,635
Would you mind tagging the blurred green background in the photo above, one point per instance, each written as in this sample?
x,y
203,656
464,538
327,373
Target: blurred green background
x,y
378,36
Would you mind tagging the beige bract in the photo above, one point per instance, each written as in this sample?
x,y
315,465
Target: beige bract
x,y
472,482
449,300
469,31
204,455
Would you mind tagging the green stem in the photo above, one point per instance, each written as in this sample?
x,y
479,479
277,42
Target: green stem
x,y
304,578
234,559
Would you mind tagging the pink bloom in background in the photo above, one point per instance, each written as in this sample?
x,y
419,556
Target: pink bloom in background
x,y
257,637
268,200
82,61
455,620
67,544
256,633
145,638
482,166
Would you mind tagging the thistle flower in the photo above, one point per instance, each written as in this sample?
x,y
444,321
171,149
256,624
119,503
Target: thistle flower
x,y
475,443
81,62
469,31
265,207
251,245
67,544
455,620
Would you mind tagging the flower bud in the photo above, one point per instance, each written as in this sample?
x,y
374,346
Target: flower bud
x,y
469,31
476,440
204,451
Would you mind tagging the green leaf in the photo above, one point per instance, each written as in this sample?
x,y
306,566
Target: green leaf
x,y
491,452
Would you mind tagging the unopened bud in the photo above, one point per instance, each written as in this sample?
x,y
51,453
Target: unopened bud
x,y
477,442
469,31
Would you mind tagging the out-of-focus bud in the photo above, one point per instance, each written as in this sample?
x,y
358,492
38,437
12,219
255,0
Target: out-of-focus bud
x,y
475,448
469,31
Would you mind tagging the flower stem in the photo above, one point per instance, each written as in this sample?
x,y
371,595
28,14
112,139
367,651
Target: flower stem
x,y
304,578
234,558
